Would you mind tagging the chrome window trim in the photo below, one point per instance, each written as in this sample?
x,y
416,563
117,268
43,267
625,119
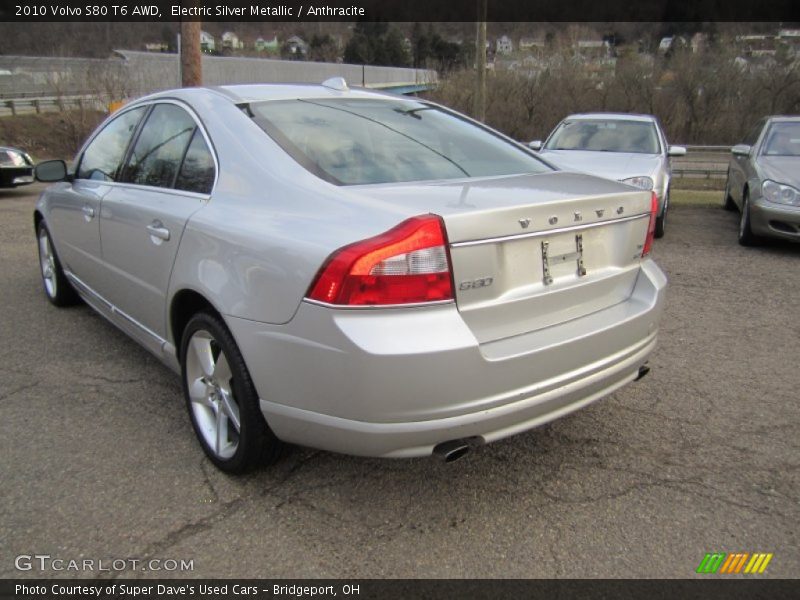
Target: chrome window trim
x,y
536,234
148,105
152,188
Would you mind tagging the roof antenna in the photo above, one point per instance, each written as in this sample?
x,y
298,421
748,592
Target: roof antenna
x,y
336,83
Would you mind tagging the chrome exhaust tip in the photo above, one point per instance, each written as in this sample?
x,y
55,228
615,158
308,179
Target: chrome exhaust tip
x,y
452,450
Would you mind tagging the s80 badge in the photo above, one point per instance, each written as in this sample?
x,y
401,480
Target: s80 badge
x,y
476,283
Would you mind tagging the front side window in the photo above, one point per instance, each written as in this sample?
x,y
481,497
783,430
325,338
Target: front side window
x,y
159,149
102,159
606,135
366,141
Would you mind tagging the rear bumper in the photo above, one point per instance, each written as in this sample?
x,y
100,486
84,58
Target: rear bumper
x,y
396,383
775,220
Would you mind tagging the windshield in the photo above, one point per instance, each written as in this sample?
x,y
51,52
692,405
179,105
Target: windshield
x,y
783,139
612,135
363,141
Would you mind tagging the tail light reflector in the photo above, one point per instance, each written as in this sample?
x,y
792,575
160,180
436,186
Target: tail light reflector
x,y
651,227
408,264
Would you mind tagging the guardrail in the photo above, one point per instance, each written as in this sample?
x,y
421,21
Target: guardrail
x,y
702,162
27,105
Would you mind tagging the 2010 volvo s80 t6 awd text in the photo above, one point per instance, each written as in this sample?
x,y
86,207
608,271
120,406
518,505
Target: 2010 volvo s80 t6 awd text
x,y
352,271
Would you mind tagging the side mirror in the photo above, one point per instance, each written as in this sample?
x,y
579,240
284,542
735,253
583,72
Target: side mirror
x,y
741,150
50,171
535,145
676,151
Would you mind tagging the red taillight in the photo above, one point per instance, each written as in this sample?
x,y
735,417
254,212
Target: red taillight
x,y
651,228
407,264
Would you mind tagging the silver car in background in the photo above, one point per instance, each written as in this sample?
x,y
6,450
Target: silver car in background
x,y
352,271
626,147
764,181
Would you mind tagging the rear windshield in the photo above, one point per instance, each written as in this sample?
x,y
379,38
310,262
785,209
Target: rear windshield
x,y
364,141
612,135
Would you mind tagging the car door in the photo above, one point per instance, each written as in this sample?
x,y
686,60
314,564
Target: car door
x,y
168,175
74,207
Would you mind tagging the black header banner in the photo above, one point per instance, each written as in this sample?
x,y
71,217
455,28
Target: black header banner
x,y
398,10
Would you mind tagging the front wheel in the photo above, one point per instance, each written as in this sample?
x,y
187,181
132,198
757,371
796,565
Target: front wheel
x,y
746,235
56,286
222,400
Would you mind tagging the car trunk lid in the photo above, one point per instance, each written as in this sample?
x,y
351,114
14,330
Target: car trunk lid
x,y
533,251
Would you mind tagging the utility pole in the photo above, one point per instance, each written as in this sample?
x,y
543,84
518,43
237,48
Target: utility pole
x,y
479,109
191,66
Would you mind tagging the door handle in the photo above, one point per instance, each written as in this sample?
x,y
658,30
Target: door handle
x,y
157,229
88,212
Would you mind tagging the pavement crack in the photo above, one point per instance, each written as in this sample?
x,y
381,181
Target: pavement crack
x,y
188,530
16,391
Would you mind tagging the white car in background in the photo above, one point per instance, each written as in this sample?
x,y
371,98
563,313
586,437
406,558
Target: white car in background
x,y
629,148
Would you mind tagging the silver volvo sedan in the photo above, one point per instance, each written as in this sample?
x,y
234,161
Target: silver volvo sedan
x,y
352,271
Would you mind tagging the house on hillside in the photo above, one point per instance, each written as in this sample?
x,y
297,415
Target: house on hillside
x,y
504,45
790,38
268,45
296,45
207,43
231,41
531,45
665,45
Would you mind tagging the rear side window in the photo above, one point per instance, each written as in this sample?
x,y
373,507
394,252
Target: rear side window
x,y
197,171
159,149
103,157
362,141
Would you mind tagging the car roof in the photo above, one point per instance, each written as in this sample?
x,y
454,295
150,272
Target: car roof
x,y
610,116
791,118
246,93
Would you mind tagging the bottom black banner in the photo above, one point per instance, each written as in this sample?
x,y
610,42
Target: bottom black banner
x,y
368,589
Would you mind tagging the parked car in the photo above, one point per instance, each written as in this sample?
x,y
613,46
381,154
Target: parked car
x,y
626,147
764,181
16,167
357,272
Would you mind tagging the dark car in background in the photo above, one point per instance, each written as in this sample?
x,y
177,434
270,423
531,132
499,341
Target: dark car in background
x,y
16,167
764,181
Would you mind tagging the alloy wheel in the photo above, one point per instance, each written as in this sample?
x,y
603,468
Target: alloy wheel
x,y
47,262
214,407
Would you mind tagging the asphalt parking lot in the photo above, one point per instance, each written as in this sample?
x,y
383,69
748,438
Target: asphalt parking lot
x,y
703,455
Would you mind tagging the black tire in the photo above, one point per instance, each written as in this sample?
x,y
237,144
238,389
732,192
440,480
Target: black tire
x,y
57,288
256,444
661,220
727,201
746,235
